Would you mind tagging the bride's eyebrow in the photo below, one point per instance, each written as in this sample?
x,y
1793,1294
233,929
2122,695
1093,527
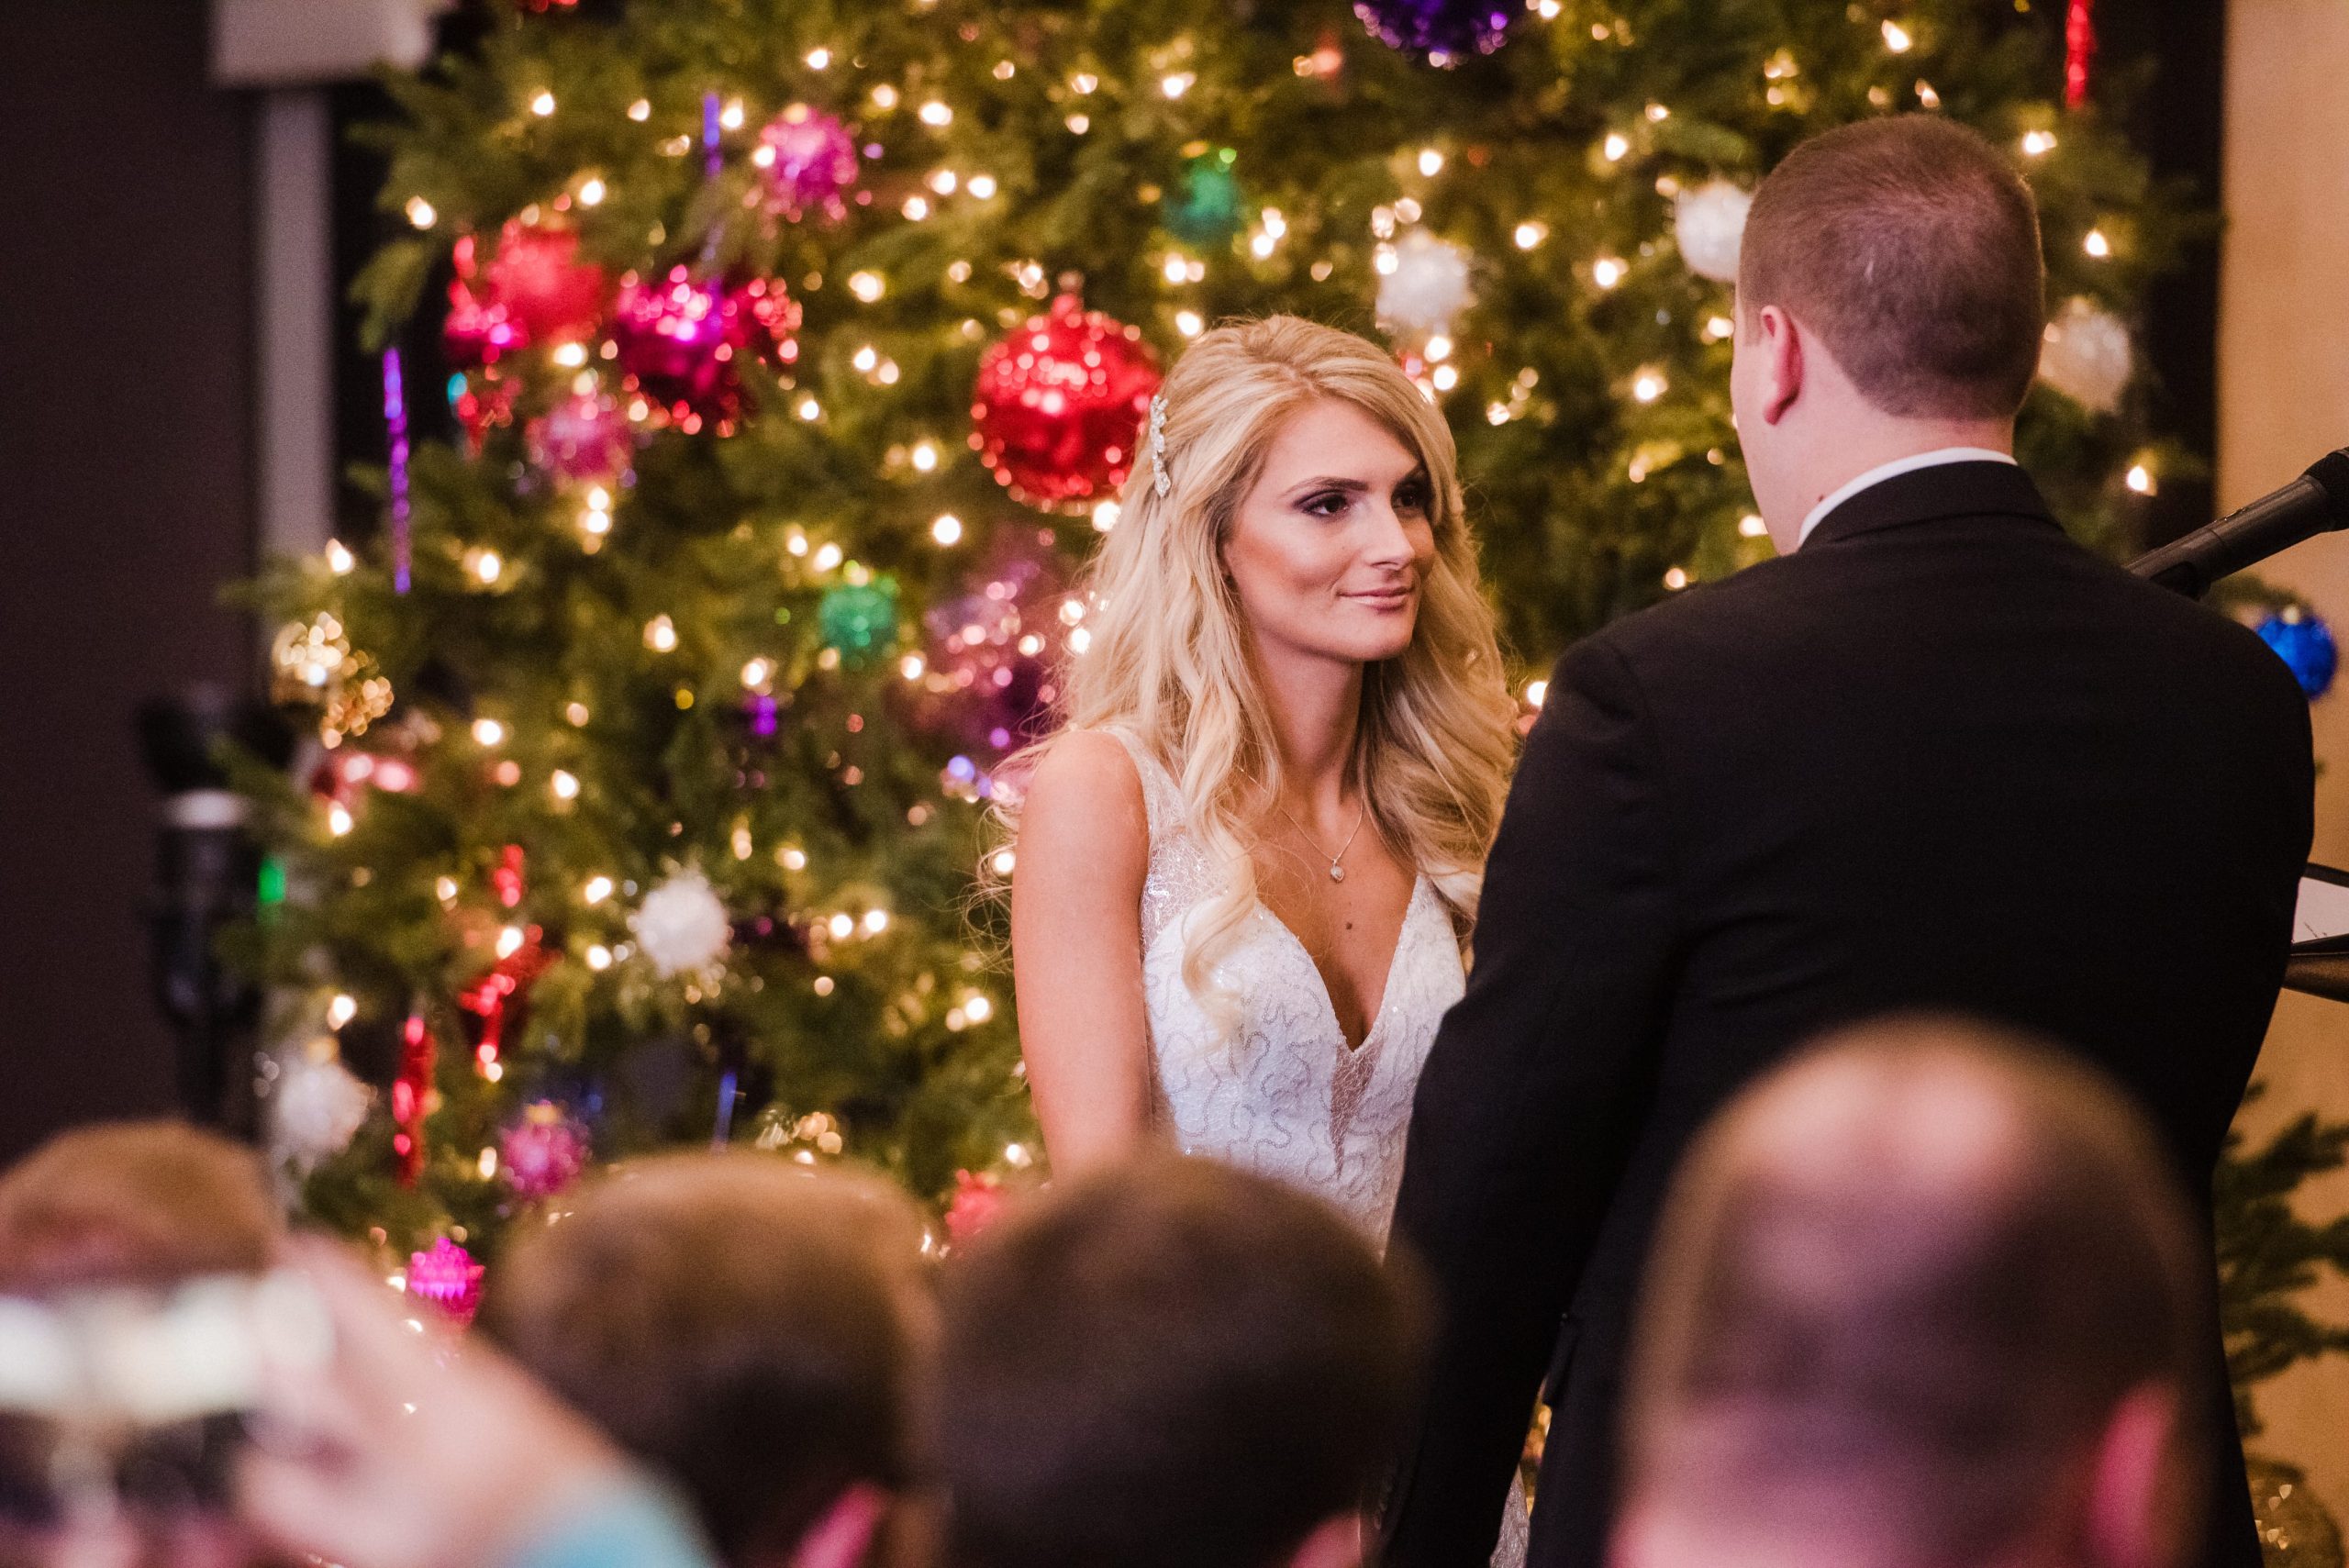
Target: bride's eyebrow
x,y
1352,486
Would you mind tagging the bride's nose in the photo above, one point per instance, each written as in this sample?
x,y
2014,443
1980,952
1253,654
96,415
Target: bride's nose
x,y
1390,546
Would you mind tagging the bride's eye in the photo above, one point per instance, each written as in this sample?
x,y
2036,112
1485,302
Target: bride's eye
x,y
1412,497
1325,504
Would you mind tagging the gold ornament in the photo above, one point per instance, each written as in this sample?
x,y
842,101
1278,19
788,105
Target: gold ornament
x,y
312,661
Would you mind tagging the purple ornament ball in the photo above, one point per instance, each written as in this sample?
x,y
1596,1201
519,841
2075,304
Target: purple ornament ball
x,y
1442,30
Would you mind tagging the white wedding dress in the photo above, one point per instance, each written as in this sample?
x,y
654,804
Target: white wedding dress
x,y
1283,1095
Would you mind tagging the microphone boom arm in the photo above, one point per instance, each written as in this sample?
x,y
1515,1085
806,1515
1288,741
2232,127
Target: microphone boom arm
x,y
2317,502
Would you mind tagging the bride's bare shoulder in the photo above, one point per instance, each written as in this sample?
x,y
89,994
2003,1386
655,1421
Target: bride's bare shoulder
x,y
1085,794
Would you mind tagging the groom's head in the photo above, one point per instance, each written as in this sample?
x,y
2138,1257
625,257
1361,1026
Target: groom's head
x,y
1890,297
1927,1298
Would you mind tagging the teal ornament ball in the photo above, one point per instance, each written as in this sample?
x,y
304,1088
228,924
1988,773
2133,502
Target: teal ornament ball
x,y
860,621
1210,208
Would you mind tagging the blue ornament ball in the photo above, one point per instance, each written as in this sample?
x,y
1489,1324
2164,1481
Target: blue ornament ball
x,y
1444,30
2305,644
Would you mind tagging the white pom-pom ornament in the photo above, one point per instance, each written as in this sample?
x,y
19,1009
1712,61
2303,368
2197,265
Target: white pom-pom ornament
x,y
316,1105
2086,355
1427,287
1709,225
681,925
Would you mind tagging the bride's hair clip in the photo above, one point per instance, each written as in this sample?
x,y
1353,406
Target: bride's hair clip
x,y
1160,482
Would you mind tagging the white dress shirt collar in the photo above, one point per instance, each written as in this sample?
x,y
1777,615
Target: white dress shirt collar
x,y
1892,470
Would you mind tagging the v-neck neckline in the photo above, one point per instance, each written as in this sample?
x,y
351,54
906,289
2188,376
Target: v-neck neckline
x,y
1350,1049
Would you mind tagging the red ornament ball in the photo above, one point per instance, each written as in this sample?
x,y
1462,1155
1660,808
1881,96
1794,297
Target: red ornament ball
x,y
682,342
979,1201
538,276
1060,404
477,333
770,320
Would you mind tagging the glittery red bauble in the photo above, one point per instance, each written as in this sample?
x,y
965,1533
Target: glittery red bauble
x,y
583,437
1060,404
683,341
537,275
477,332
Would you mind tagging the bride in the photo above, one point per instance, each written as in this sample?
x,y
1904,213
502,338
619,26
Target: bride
x,y
1247,867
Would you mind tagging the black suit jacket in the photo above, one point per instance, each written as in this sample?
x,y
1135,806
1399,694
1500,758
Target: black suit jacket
x,y
1939,757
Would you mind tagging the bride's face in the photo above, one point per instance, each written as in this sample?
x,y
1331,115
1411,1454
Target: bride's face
x,y
1329,550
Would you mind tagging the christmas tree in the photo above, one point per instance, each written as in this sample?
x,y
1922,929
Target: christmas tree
x,y
799,349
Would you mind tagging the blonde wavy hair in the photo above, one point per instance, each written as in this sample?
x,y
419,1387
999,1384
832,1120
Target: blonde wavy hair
x,y
1169,660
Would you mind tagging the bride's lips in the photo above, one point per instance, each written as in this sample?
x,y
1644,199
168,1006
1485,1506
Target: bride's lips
x,y
1393,598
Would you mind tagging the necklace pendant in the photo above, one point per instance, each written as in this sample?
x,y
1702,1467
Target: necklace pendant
x,y
1337,872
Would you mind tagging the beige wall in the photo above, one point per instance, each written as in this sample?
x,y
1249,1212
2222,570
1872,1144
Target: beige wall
x,y
2284,400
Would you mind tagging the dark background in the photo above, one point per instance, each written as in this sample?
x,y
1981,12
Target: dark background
x,y
127,472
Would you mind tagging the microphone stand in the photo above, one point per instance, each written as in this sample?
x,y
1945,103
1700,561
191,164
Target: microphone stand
x,y
2317,502
206,867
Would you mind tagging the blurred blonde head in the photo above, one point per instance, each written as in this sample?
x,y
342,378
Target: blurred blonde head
x,y
1170,657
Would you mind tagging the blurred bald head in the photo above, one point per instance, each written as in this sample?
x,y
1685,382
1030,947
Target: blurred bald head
x,y
1926,1296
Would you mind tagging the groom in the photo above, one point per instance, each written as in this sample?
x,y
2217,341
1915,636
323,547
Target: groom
x,y
1936,755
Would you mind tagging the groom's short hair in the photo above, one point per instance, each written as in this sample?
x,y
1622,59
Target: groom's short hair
x,y
1167,1363
1910,247
1898,1284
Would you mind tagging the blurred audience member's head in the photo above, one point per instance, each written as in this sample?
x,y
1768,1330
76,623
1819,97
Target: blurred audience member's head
x,y
747,1327
135,1202
127,1207
1168,1364
1925,1298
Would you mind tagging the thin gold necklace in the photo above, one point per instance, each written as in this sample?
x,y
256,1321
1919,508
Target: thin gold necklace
x,y
1337,872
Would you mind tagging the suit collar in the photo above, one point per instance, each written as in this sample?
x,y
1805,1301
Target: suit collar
x,y
1927,495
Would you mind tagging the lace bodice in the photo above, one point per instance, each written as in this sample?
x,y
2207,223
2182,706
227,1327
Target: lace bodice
x,y
1283,1095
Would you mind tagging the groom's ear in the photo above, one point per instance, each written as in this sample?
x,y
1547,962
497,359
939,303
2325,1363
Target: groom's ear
x,y
1782,362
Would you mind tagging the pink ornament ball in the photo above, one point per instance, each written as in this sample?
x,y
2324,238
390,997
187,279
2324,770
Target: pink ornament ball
x,y
1059,405
584,437
682,340
537,275
448,1277
678,339
542,1153
807,159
